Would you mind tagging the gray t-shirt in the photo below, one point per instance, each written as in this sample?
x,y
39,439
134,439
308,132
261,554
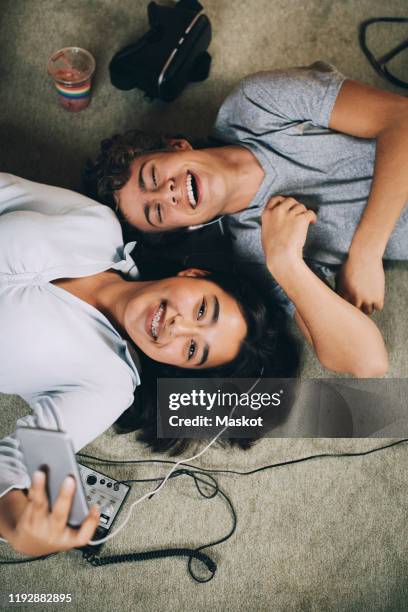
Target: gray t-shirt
x,y
282,117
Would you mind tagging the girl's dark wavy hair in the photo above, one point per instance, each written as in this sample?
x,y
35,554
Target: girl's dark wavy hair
x,y
268,349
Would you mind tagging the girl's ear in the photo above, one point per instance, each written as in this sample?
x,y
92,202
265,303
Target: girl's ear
x,y
179,144
193,272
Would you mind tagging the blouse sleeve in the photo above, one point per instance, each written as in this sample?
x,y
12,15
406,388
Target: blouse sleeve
x,y
49,231
84,415
18,194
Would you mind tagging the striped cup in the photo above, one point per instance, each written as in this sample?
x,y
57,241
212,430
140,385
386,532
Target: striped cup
x,y
72,69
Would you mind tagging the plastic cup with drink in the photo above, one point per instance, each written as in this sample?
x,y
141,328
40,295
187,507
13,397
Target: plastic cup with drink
x,y
72,69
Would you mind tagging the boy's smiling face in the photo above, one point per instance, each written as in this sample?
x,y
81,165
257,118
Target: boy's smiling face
x,y
172,189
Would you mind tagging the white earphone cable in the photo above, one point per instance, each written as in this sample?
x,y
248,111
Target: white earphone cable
x,y
162,484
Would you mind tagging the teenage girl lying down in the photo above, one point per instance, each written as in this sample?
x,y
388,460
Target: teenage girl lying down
x,y
69,320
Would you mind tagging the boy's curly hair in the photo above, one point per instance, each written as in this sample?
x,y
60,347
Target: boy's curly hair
x,y
111,169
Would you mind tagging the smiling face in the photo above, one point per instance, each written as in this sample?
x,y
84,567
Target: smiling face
x,y
173,189
186,322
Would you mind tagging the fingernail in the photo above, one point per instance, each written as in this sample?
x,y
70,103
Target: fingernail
x,y
96,509
69,483
38,477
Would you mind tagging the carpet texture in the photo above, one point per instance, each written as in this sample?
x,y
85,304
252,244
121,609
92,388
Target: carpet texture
x,y
329,534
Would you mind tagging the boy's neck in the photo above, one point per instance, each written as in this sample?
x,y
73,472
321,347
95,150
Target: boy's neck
x,y
244,175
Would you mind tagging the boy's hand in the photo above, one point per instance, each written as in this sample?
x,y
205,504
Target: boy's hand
x,y
285,223
361,281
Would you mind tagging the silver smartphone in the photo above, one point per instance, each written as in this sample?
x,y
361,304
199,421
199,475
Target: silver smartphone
x,y
52,452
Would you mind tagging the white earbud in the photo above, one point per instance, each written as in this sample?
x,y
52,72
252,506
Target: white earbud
x,y
191,228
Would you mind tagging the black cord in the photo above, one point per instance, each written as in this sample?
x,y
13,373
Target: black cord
x,y
380,64
192,553
248,472
15,561
159,554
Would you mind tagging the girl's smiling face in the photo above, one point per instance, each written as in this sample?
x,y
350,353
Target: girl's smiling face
x,y
185,321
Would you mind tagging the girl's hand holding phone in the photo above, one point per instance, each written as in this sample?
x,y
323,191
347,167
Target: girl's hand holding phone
x,y
32,529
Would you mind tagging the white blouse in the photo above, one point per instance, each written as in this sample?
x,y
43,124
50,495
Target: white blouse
x,y
60,354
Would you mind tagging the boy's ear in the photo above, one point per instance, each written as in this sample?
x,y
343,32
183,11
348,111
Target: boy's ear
x,y
193,272
179,144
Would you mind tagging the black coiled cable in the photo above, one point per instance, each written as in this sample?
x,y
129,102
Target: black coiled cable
x,y
201,481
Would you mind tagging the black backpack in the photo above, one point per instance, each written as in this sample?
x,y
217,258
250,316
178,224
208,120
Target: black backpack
x,y
172,53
